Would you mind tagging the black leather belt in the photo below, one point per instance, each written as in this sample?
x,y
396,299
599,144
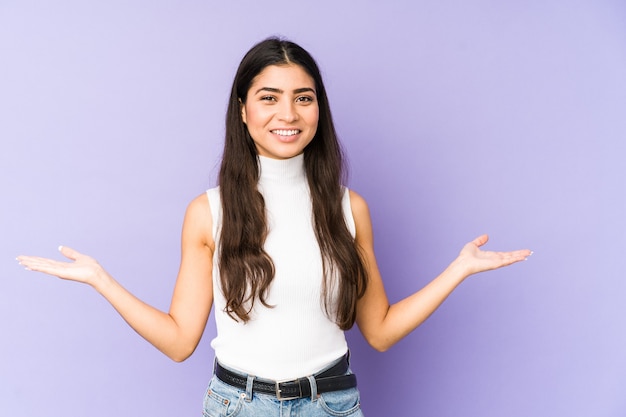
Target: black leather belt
x,y
332,379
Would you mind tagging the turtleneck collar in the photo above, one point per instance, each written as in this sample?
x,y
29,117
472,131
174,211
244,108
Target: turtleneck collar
x,y
287,171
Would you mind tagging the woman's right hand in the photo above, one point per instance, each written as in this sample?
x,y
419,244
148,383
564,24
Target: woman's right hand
x,y
177,332
83,268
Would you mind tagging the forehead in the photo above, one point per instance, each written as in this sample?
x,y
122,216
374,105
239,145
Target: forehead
x,y
284,77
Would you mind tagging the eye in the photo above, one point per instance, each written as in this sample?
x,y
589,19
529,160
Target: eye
x,y
304,99
268,98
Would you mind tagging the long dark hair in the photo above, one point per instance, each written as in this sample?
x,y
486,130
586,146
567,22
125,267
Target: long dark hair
x,y
246,270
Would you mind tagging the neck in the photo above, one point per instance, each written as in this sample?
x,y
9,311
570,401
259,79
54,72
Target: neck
x,y
282,170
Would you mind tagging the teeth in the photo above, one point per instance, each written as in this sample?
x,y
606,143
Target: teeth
x,y
283,132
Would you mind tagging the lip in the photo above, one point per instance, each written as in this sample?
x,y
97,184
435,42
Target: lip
x,y
286,138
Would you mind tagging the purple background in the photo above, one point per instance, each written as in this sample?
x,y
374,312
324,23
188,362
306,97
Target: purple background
x,y
458,117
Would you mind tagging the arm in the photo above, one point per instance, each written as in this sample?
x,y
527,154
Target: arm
x,y
178,332
383,325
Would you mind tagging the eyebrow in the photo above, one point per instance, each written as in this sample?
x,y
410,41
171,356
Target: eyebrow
x,y
279,91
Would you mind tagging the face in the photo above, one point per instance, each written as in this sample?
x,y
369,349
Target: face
x,y
281,111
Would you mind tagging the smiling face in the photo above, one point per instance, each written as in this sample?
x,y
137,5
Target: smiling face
x,y
281,111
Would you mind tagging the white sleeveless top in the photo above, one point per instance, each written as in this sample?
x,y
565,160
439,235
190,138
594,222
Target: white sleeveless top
x,y
295,338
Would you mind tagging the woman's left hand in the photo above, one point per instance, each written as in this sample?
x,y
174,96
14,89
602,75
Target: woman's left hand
x,y
474,260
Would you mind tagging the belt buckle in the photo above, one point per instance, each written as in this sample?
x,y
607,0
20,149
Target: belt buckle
x,y
280,397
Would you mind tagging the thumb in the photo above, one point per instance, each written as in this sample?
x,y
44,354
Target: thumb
x,y
480,240
69,253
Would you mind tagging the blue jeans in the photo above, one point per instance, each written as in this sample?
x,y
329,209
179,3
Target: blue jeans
x,y
223,400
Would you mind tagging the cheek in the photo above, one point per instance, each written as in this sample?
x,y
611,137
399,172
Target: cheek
x,y
314,118
254,116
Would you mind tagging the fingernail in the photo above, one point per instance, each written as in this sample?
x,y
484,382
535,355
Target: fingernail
x,y
60,248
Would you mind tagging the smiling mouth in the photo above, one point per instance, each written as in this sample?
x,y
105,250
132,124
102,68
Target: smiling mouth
x,y
286,132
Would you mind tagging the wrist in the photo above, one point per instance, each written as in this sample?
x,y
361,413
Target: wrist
x,y
459,270
101,280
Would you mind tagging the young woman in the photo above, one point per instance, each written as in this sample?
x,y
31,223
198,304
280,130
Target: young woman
x,y
284,251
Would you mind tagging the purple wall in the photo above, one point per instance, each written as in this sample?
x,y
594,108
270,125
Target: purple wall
x,y
459,118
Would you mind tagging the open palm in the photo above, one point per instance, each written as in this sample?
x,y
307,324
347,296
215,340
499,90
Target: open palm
x,y
83,268
477,260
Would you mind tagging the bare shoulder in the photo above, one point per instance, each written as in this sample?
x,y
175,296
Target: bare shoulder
x,y
362,220
200,202
360,210
357,202
200,209
199,220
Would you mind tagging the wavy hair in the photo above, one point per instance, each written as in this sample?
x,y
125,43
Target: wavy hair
x,y
246,270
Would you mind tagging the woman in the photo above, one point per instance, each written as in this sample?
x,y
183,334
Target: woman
x,y
284,251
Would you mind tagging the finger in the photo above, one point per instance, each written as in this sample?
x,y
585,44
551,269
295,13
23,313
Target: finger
x,y
33,263
30,260
515,256
524,254
69,253
480,240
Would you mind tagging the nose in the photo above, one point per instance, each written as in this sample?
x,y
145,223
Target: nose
x,y
288,112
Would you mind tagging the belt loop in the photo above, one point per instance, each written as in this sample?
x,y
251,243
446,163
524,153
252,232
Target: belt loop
x,y
313,385
249,385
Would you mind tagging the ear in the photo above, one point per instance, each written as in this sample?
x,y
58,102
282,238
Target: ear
x,y
243,110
